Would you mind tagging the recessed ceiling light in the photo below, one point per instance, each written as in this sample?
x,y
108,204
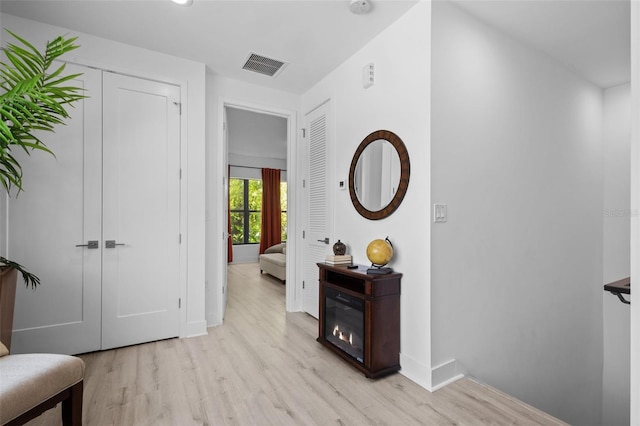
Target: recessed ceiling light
x,y
359,7
183,2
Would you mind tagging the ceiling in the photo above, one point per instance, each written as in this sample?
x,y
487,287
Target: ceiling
x,y
593,37
314,36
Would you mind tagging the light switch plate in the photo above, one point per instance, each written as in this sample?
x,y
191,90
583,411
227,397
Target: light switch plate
x,y
439,213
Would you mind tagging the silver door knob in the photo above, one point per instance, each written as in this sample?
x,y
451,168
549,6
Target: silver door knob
x,y
92,244
326,240
112,244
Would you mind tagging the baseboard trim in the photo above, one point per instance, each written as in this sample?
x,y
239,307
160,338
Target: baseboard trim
x,y
415,371
444,374
434,378
194,329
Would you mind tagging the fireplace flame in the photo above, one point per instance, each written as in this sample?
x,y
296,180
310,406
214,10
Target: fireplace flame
x,y
345,337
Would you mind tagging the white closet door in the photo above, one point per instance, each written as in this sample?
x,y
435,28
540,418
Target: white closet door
x,y
59,209
318,203
141,184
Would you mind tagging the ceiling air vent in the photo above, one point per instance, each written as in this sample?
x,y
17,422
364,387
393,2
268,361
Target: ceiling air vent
x,y
263,65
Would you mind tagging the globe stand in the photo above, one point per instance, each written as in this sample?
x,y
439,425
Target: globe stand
x,y
380,251
379,270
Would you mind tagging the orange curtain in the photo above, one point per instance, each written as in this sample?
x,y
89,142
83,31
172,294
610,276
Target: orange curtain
x,y
229,237
271,233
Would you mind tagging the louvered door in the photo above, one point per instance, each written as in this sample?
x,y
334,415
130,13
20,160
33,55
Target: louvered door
x,y
319,203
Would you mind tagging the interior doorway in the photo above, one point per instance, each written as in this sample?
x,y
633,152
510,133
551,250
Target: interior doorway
x,y
246,111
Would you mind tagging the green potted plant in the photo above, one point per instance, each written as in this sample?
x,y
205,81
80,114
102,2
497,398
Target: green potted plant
x,y
33,100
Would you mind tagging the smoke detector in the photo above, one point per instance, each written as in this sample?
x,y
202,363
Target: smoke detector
x,y
360,7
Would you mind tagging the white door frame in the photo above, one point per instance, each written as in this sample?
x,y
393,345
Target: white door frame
x,y
293,293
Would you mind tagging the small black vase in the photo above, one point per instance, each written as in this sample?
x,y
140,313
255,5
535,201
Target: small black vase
x,y
339,248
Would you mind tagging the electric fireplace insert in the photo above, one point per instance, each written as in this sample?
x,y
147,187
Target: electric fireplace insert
x,y
344,322
359,317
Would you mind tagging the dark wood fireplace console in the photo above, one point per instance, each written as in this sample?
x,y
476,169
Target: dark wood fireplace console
x,y
380,296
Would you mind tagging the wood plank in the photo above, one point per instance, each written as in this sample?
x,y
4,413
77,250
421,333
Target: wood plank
x,y
264,367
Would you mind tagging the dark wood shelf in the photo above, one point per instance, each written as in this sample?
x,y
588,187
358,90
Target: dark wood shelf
x,y
620,287
381,296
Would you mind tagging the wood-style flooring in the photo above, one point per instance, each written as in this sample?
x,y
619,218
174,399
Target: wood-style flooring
x,y
264,367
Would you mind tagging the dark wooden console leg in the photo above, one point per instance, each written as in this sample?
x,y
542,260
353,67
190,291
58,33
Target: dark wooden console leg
x,y
72,406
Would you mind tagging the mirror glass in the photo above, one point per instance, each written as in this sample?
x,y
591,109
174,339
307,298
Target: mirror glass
x,y
379,175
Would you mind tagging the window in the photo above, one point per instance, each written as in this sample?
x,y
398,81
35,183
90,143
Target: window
x,y
245,203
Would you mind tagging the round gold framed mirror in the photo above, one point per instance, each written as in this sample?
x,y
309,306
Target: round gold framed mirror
x,y
379,175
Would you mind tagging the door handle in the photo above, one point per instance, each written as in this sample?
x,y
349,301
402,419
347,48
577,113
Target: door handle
x,y
326,240
92,244
112,244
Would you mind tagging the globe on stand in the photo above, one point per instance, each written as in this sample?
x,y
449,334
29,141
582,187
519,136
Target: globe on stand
x,y
379,253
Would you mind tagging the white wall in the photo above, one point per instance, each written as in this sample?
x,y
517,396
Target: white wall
x,y
398,101
635,206
257,135
616,246
517,268
224,91
617,190
110,55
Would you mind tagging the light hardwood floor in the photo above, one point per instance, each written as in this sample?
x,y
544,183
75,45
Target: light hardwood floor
x,y
264,367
